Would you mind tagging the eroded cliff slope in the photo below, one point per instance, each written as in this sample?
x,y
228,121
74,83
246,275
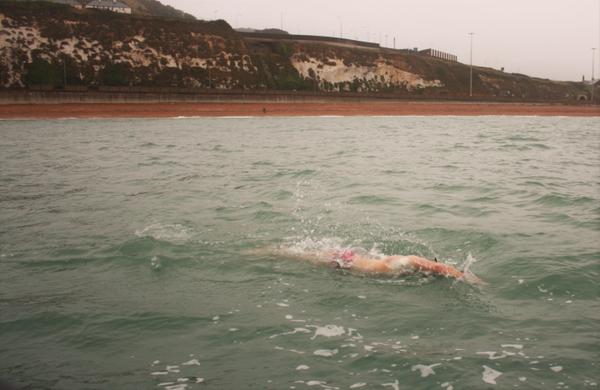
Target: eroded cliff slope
x,y
49,44
54,46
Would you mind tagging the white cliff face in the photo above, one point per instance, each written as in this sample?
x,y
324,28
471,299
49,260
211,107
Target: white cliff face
x,y
14,38
334,71
17,43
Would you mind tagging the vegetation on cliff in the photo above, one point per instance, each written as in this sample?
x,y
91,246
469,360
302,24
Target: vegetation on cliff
x,y
54,46
40,42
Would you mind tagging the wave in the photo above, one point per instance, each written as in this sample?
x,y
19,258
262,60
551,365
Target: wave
x,y
372,199
173,233
563,200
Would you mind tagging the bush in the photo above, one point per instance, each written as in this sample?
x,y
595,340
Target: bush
x,y
41,72
116,75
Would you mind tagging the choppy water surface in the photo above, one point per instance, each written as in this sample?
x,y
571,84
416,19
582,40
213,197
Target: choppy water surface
x,y
132,253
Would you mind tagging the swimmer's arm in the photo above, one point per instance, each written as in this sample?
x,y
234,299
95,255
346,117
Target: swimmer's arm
x,y
426,265
374,266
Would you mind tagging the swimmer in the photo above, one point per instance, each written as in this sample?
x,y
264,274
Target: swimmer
x,y
391,265
347,259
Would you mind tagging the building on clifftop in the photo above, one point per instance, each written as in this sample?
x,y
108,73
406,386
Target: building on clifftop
x,y
439,54
110,5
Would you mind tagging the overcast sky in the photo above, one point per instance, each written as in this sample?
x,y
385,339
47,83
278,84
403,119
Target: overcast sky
x,y
543,38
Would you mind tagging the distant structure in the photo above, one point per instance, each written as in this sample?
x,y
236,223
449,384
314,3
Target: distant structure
x,y
110,5
263,31
439,54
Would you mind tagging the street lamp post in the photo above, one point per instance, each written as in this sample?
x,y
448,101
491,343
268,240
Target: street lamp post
x,y
471,71
593,70
593,62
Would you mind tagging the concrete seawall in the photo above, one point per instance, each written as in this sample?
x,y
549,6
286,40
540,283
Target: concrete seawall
x,y
126,95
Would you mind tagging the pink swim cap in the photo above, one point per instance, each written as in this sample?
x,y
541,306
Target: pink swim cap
x,y
347,255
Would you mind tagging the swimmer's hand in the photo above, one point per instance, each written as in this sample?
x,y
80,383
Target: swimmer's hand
x,y
470,278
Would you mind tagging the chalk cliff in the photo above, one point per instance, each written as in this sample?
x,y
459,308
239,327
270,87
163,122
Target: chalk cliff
x,y
55,46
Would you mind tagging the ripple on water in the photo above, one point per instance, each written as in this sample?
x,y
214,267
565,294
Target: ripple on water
x,y
563,200
372,200
81,285
174,233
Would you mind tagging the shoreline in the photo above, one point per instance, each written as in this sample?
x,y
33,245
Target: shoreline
x,y
260,109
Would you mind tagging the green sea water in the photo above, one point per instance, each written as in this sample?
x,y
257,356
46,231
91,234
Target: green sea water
x,y
134,254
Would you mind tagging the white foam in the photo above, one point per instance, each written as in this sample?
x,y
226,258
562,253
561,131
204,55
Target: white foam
x,y
358,385
215,318
155,373
492,355
233,329
490,375
193,362
289,317
353,333
425,370
199,380
327,331
516,346
395,385
302,367
155,263
321,384
362,297
174,369
296,330
415,337
325,352
174,233
522,378
556,368
154,363
281,304
180,386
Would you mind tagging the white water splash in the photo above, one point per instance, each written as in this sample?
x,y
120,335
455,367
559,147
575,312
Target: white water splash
x,y
296,330
326,352
469,276
173,233
493,355
321,384
516,346
490,375
425,370
395,385
155,263
327,331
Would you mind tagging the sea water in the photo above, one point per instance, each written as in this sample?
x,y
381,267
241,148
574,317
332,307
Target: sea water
x,y
137,253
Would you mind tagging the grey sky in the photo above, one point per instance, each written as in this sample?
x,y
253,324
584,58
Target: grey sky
x,y
543,38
